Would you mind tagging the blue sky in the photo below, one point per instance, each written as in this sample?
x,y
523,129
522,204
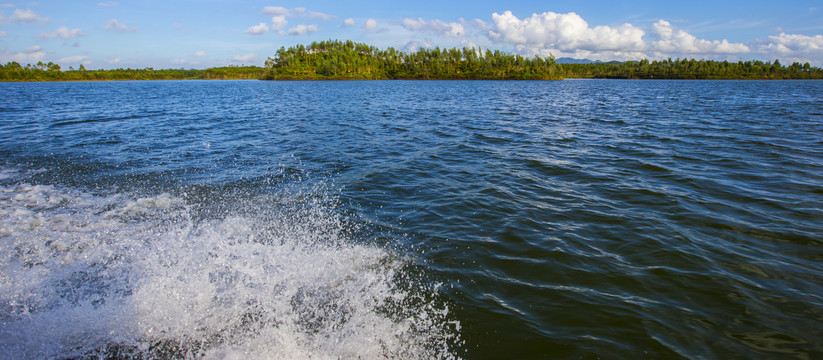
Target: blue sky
x,y
204,33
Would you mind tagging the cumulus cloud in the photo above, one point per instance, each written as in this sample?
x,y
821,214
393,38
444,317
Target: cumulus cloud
x,y
74,59
200,53
348,22
25,17
791,47
296,12
63,33
569,35
681,42
566,32
115,25
436,26
370,24
245,58
32,54
108,3
278,23
302,29
258,29
482,25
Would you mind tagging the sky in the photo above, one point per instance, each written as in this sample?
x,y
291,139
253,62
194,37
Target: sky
x,y
205,33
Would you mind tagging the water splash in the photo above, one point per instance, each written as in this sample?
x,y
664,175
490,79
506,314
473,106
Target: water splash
x,y
87,275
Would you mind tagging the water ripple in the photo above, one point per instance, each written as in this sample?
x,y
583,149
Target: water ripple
x,y
565,219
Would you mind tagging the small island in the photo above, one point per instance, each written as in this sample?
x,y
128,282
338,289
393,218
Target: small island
x,y
347,60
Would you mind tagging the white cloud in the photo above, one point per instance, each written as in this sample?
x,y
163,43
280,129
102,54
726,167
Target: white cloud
x,y
436,26
370,24
200,53
413,46
296,12
73,59
29,57
3,33
568,35
275,10
25,17
566,32
245,58
278,22
470,45
302,29
115,25
258,29
791,47
32,54
63,33
348,22
482,25
115,61
6,5
318,15
108,3
681,42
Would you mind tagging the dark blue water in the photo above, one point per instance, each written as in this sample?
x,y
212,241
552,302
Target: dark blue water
x,y
403,219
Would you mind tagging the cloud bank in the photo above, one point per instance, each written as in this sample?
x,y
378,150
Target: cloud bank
x,y
567,32
570,35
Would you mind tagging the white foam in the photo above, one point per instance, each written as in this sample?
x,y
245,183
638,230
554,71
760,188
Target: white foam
x,y
82,274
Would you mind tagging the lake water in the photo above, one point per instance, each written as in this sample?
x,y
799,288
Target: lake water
x,y
411,219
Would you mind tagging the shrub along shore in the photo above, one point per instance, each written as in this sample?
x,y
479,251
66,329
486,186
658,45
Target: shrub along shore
x,y
347,60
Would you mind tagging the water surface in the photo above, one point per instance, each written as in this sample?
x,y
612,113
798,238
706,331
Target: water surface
x,y
428,219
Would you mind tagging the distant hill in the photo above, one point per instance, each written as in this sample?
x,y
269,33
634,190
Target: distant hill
x,y
568,60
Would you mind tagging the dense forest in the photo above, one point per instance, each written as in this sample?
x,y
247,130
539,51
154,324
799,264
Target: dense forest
x,y
13,71
347,60
692,69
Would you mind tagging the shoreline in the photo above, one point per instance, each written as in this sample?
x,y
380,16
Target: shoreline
x,y
405,79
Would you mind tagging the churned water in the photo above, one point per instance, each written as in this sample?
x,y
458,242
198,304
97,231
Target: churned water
x,y
403,219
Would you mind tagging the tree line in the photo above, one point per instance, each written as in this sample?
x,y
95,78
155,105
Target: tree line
x,y
336,59
693,69
342,60
13,71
